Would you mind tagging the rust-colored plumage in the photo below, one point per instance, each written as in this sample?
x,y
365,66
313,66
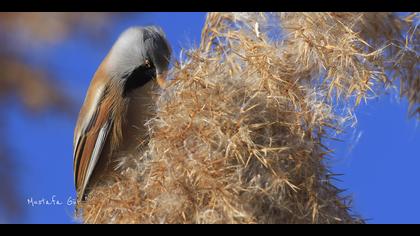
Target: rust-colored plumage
x,y
100,92
111,120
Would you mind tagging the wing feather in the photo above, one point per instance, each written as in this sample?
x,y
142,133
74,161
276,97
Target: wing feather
x,y
96,153
93,126
89,145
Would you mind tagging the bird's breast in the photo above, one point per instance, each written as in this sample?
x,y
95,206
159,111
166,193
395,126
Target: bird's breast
x,y
139,111
134,134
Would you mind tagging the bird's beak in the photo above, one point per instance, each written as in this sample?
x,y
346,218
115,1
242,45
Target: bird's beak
x,y
161,79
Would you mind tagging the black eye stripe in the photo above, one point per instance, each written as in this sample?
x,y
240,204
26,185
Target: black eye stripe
x,y
138,77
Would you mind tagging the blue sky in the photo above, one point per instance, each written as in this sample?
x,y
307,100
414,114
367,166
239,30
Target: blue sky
x,y
379,159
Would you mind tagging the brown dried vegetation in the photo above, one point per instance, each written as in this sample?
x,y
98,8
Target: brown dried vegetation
x,y
238,135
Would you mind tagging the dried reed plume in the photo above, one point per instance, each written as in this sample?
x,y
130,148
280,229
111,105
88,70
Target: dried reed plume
x,y
238,135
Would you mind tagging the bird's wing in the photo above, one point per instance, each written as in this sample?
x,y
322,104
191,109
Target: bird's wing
x,y
91,132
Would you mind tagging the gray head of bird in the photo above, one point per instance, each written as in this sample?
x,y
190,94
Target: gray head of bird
x,y
142,52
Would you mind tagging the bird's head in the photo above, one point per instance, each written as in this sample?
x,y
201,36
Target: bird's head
x,y
139,55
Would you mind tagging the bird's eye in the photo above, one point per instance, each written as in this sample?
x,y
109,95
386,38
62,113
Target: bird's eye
x,y
147,63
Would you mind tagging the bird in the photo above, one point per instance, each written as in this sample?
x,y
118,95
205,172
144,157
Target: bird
x,y
111,121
